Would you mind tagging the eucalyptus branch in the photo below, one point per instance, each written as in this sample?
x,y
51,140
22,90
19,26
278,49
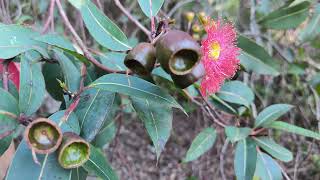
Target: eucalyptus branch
x,y
83,47
223,152
50,18
134,20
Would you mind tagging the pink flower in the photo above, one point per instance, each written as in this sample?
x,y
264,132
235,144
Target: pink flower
x,y
219,56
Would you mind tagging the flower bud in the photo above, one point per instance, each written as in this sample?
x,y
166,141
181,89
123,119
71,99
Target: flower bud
x,y
189,16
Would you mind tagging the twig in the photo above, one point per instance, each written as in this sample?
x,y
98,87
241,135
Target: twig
x,y
177,6
50,17
153,26
134,20
223,152
83,47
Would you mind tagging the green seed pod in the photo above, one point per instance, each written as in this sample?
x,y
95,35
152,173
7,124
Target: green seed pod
x,y
141,59
183,81
43,136
177,52
74,151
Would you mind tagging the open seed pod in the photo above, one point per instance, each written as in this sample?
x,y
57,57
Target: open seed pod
x,y
183,81
74,151
141,59
43,136
177,52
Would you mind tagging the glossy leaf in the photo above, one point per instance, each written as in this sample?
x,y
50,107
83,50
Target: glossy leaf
x,y
98,165
51,72
274,149
32,85
134,87
157,120
105,135
28,169
201,144
155,4
245,159
56,40
271,113
4,144
255,58
235,134
287,17
312,29
267,168
72,75
70,125
103,30
279,125
8,103
16,39
113,60
92,110
236,92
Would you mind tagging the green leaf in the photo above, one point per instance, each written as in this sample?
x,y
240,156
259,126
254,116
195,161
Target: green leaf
x,y
113,60
98,165
51,72
255,58
32,85
12,89
145,7
287,17
267,168
103,30
279,125
4,144
235,134
157,120
201,144
79,174
160,72
105,135
245,159
271,113
15,39
71,124
28,169
134,87
236,92
312,29
92,110
56,40
222,105
72,75
8,103
274,149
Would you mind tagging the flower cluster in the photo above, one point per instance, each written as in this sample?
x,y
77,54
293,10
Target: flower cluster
x,y
219,55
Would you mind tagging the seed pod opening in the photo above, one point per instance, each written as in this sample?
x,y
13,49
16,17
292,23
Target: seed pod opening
x,y
177,52
74,151
43,136
183,81
141,59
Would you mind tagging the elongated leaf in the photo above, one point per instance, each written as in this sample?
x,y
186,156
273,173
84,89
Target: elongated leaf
x,y
274,149
12,89
254,58
157,120
93,108
8,103
155,4
271,113
201,144
267,168
312,29
113,60
28,169
15,39
245,159
293,129
103,30
56,40
79,174
32,86
222,105
134,87
98,165
4,144
105,135
51,72
71,124
235,134
236,92
72,75
286,18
